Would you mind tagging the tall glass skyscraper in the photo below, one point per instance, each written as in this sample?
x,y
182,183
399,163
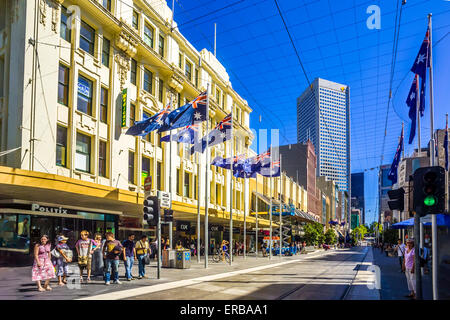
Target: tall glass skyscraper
x,y
323,116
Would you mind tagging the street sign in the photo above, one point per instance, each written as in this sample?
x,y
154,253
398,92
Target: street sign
x,y
165,199
148,184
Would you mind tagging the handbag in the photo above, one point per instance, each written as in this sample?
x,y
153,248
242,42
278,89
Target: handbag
x,y
83,260
55,253
146,259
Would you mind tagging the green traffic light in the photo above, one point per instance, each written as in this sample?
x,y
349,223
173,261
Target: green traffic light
x,y
429,201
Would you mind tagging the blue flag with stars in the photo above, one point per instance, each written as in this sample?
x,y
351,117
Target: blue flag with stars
x,y
392,175
143,127
411,102
422,61
194,111
221,133
187,135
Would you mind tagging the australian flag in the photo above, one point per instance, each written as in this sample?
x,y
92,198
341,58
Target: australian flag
x,y
221,133
187,135
221,162
262,160
392,175
411,102
143,127
273,170
194,111
245,168
446,146
422,61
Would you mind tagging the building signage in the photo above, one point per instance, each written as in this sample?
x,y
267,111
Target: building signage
x,y
84,88
37,207
183,226
215,228
148,183
165,199
124,108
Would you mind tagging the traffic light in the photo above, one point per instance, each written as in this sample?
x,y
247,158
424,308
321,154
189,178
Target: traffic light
x,y
429,190
168,215
151,210
398,199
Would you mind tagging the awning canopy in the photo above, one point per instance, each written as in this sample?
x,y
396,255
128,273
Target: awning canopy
x,y
442,220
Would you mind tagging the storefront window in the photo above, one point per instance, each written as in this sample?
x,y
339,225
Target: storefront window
x,y
15,231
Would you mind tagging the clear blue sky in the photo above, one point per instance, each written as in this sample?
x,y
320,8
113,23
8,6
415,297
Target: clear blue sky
x,y
335,44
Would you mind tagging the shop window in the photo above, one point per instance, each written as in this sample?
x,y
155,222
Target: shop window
x,y
83,153
102,158
145,169
64,30
15,231
131,167
104,105
63,85
148,35
105,52
61,146
133,71
87,38
148,81
84,102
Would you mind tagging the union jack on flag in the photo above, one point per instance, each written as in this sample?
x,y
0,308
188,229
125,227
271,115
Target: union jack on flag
x,y
143,127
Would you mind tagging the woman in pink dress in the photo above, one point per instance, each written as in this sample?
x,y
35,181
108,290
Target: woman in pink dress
x,y
408,267
42,266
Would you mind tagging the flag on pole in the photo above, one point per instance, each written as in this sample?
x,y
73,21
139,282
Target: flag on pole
x,y
274,169
422,61
220,134
190,113
143,127
392,175
187,135
446,145
411,102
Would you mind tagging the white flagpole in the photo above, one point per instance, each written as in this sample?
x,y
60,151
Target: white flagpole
x,y
230,245
432,163
170,176
206,178
270,213
199,166
256,209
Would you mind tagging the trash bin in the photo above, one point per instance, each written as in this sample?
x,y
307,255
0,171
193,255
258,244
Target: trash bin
x,y
168,258
183,259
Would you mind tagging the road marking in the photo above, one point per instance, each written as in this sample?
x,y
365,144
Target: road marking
x,y
123,294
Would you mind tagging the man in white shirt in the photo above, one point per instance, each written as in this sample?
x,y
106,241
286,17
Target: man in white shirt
x,y
400,247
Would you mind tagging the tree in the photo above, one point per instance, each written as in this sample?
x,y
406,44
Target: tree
x,y
330,237
314,233
390,236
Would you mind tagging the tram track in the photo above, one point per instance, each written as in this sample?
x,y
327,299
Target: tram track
x,y
347,289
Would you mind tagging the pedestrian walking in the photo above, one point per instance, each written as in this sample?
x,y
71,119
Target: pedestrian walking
x,y
63,256
400,249
143,252
97,256
84,252
42,266
111,252
408,267
129,256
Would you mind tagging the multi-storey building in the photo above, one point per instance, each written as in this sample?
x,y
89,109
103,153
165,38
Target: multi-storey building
x,y
384,185
323,117
75,76
299,161
358,194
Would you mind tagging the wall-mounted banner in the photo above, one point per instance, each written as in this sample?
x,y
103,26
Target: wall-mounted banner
x,y
124,108
183,226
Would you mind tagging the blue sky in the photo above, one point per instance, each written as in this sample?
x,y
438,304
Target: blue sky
x,y
335,44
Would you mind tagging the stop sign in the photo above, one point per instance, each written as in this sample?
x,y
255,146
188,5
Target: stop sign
x,y
148,183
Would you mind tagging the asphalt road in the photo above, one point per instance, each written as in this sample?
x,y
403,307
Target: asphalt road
x,y
326,276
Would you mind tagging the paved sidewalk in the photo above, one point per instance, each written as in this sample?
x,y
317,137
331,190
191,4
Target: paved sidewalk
x,y
363,286
15,283
393,282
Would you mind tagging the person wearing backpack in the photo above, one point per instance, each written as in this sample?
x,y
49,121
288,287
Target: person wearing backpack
x,y
143,255
111,252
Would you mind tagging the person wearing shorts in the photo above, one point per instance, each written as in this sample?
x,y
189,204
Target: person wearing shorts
x,y
84,248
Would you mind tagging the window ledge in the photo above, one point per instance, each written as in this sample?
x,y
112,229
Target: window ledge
x,y
84,173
